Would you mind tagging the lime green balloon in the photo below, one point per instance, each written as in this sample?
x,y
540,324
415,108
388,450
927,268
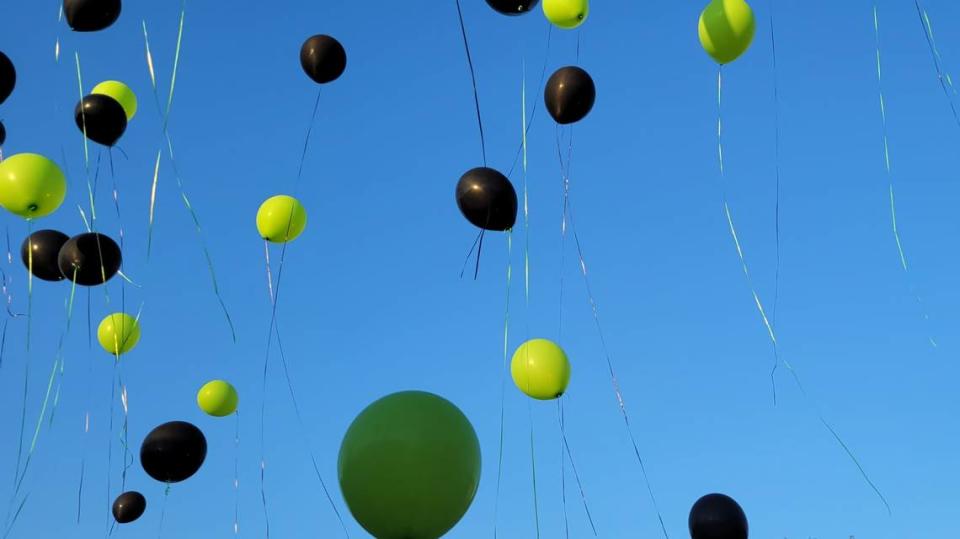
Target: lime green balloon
x,y
540,369
122,93
31,185
566,14
409,466
726,29
218,398
281,219
118,333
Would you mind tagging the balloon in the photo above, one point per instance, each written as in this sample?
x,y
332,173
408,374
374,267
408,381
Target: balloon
x,y
91,15
323,58
45,246
31,185
540,369
569,94
281,219
121,93
173,452
8,77
90,259
218,398
717,516
409,466
487,199
512,7
129,506
726,29
102,118
566,14
3,134
118,333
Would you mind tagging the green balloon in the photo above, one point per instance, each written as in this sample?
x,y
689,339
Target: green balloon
x,y
31,185
409,466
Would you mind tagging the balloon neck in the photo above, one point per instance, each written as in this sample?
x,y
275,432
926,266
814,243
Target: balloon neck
x,y
33,208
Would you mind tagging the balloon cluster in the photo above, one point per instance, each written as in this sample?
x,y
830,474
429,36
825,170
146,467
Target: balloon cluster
x,y
87,259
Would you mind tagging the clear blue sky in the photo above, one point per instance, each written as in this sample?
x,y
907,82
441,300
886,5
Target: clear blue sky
x,y
372,302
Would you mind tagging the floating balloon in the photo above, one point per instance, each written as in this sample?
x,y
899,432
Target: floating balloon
x,y
8,77
569,94
118,333
409,466
512,7
726,29
218,398
281,219
121,93
31,185
566,14
173,452
540,369
90,259
101,118
717,516
91,15
39,254
487,199
323,58
3,134
129,506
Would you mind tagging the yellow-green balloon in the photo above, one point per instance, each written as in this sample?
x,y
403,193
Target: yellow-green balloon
x,y
540,369
218,398
122,93
726,29
281,219
566,14
118,333
31,185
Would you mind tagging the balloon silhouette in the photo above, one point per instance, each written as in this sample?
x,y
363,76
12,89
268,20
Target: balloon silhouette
x,y
91,15
118,333
281,219
323,58
101,118
3,134
121,93
31,185
726,29
90,259
218,398
173,452
540,369
39,253
409,466
129,506
512,7
569,94
717,516
8,77
566,14
487,199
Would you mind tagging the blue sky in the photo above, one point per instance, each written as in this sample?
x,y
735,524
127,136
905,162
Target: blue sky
x,y
371,302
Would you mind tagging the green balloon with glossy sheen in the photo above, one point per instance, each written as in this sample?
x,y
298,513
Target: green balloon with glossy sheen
x,y
281,219
566,14
31,185
409,466
121,93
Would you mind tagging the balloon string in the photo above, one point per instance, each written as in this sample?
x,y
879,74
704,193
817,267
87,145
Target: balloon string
x,y
113,397
83,465
946,82
153,202
533,469
776,120
565,452
563,472
473,79
503,377
536,102
236,476
163,510
56,48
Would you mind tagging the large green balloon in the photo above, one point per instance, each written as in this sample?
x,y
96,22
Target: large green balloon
x,y
31,185
409,466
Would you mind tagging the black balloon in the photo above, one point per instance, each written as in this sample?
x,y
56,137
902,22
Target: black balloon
x,y
487,199
90,259
323,58
129,506
45,245
91,15
717,516
569,94
513,7
173,452
102,118
3,134
8,77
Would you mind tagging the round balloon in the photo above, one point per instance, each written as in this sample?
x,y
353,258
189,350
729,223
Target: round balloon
x,y
39,254
569,94
31,185
8,77
512,7
726,29
717,516
487,199
540,369
91,15
173,452
323,58
409,466
129,506
566,14
121,93
101,118
281,219
90,259
118,333
218,398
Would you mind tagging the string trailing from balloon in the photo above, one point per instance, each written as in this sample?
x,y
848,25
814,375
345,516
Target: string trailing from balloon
x,y
473,79
536,102
236,475
503,377
567,454
776,164
946,82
